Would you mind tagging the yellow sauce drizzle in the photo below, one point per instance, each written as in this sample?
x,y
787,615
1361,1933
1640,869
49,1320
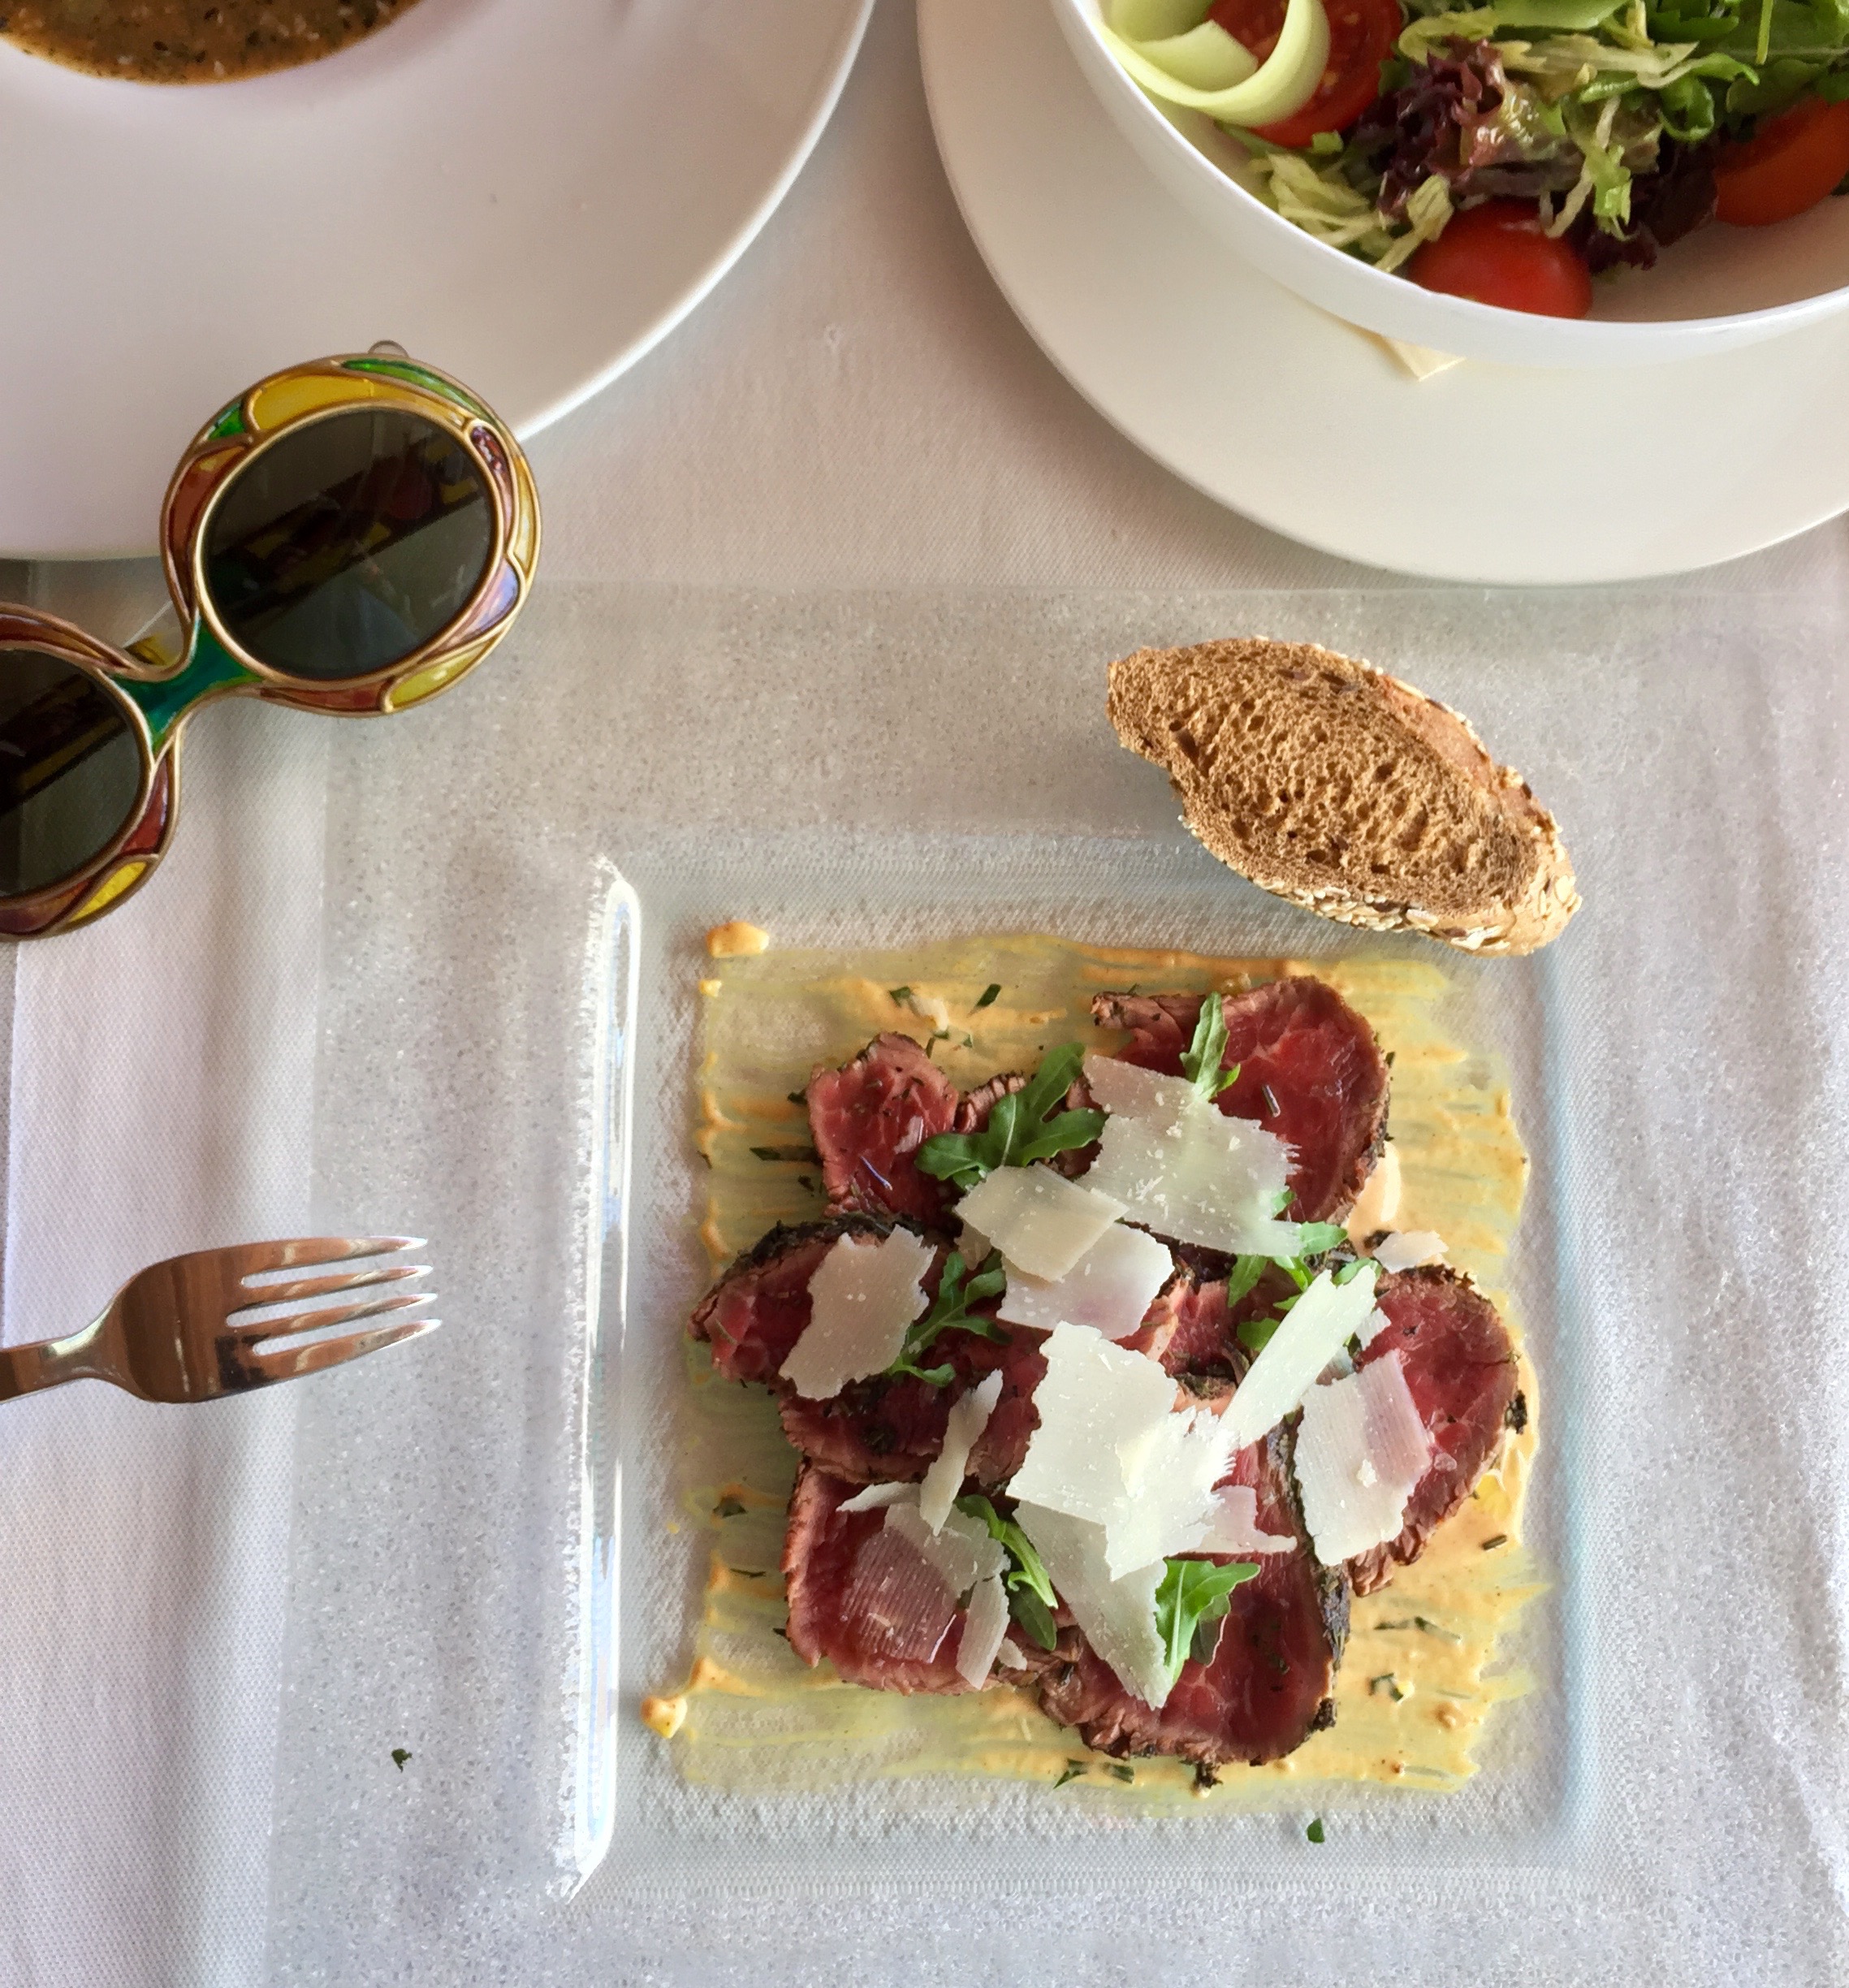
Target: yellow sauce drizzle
x,y
1419,1678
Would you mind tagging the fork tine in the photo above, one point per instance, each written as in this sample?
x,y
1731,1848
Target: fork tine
x,y
288,1363
296,1288
295,1323
248,1258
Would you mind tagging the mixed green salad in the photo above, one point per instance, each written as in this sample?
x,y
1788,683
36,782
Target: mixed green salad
x,y
1510,152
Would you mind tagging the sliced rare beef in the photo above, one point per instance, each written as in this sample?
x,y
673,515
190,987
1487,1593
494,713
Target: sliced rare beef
x,y
889,1429
1310,1070
1203,1337
863,1598
868,1120
756,1310
1460,1368
1267,1687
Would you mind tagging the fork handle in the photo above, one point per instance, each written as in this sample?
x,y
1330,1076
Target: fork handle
x,y
50,1362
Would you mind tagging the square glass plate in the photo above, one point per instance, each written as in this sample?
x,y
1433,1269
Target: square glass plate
x,y
481,1571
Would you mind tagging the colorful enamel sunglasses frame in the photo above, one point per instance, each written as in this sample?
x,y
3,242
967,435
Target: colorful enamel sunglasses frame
x,y
225,574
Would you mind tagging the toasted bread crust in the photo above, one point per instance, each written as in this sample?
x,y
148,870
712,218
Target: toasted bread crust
x,y
1347,791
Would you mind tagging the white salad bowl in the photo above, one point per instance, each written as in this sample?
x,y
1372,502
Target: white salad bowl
x,y
1718,287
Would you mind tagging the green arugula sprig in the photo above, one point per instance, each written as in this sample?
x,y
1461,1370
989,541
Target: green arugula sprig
x,y
1030,1597
1200,1060
950,1311
1190,1604
1022,1127
1314,1239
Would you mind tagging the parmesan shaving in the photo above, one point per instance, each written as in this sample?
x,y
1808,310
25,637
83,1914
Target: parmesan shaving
x,y
1183,1168
1408,1248
984,1629
876,1495
1361,1448
1110,1288
861,1298
1318,1327
1233,1525
968,1417
1118,1617
1037,1218
1010,1655
960,1551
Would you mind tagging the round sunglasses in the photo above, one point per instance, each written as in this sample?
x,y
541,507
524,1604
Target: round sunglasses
x,y
350,536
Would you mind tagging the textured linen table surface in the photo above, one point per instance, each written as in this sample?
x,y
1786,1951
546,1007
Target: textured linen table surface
x,y
854,410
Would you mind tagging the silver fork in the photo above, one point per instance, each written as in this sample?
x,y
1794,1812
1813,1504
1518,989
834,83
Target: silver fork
x,y
173,1333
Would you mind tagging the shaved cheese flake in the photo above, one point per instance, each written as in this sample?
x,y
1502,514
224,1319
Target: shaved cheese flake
x,y
960,1551
877,1495
984,1628
1319,1325
1118,1617
968,1417
1360,1449
1009,1655
1233,1525
1110,1288
1170,1473
1094,1398
900,1605
1407,1248
1037,1218
861,1298
1184,1168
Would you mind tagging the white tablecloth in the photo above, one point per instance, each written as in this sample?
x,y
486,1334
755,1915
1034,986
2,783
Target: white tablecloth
x,y
856,407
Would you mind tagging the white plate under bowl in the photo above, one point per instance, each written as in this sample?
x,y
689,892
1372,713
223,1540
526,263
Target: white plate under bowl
x,y
1483,473
528,193
1723,287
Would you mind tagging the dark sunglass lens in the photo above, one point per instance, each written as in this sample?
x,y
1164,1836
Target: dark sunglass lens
x,y
70,770
348,543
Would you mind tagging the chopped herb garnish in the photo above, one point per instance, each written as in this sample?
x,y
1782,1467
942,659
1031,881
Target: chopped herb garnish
x,y
400,1756
1030,1597
728,1508
1118,1772
1314,1832
798,1156
1193,1597
1074,1770
949,1311
1389,1684
1498,1539
901,998
797,1097
1201,1060
988,994
1022,1127
1270,1097
1437,1629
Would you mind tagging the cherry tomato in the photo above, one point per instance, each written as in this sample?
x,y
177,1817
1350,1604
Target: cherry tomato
x,y
1362,35
1790,163
1497,254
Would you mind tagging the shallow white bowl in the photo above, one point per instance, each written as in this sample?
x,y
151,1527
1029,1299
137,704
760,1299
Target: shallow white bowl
x,y
1721,287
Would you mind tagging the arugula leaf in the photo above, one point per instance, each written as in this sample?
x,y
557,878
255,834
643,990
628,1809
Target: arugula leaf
x,y
1319,1239
1256,1334
950,1311
1245,1273
1200,1060
1192,1594
1030,1597
1022,1127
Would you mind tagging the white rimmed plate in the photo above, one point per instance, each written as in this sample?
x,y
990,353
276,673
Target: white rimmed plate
x,y
528,193
1481,473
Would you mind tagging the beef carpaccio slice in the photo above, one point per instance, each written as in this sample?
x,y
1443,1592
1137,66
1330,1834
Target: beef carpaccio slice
x,y
869,1118
756,1312
862,1597
1269,1685
1460,1368
1300,1042
889,1429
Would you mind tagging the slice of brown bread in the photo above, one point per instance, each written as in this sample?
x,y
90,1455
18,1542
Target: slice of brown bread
x,y
1347,791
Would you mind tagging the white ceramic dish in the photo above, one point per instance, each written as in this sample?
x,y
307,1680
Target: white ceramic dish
x,y
1721,288
1485,472
528,193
